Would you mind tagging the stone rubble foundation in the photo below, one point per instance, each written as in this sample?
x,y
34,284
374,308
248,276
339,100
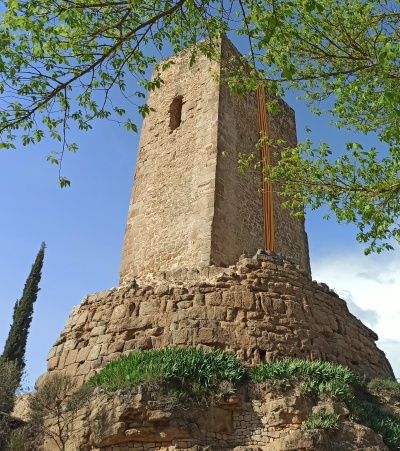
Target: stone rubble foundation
x,y
263,308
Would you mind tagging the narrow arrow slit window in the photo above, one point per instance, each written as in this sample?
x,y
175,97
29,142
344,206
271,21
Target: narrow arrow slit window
x,y
175,113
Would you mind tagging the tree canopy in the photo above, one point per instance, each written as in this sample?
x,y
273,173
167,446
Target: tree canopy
x,y
74,61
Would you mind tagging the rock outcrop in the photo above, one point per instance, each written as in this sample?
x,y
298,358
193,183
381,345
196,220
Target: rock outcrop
x,y
256,418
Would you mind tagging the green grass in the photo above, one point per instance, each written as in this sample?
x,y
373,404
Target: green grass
x,y
318,373
383,387
384,423
321,420
193,371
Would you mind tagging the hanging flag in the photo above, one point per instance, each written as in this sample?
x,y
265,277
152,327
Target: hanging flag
x,y
266,162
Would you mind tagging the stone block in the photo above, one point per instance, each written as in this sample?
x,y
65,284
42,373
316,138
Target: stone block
x,y
52,363
94,352
70,344
61,361
51,353
206,335
98,330
119,311
71,357
83,354
217,313
71,370
82,318
149,307
83,369
213,298
180,336
116,346
250,263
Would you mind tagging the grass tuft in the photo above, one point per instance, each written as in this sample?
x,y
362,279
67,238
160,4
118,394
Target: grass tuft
x,y
384,387
321,420
193,371
319,373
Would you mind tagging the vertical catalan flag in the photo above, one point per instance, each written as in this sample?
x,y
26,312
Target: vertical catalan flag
x,y
266,162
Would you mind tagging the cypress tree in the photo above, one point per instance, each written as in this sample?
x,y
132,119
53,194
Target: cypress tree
x,y
14,349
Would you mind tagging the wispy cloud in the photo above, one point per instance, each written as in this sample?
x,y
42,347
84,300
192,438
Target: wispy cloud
x,y
378,276
368,316
369,285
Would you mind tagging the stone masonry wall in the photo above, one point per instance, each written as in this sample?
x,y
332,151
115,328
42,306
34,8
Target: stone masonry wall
x,y
261,309
190,206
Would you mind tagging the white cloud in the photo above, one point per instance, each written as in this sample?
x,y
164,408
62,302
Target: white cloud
x,y
368,316
370,285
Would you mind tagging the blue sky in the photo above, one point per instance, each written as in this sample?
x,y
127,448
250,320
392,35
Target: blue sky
x,y
83,228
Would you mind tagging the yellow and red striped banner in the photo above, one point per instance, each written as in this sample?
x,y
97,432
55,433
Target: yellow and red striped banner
x,y
266,162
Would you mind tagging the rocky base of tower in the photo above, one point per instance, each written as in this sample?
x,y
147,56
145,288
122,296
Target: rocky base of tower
x,y
261,417
263,308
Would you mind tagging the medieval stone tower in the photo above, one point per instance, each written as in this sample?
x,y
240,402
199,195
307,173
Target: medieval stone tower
x,y
190,205
194,245
194,228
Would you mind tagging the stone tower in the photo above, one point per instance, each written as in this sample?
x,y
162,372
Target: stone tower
x,y
192,214
190,205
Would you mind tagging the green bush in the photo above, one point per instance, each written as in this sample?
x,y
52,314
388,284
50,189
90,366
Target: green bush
x,y
338,382
191,370
319,372
380,421
321,420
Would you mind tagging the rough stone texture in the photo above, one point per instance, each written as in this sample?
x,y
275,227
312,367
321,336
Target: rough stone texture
x,y
257,418
261,309
190,206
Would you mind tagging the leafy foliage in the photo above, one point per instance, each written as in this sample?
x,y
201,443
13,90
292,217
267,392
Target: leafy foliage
x,y
12,360
195,372
14,349
321,420
73,62
198,374
342,57
18,440
67,63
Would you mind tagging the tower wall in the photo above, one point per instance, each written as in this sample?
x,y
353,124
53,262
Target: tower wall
x,y
171,208
190,205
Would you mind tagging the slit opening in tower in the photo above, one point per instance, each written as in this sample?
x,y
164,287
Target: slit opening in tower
x,y
175,113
